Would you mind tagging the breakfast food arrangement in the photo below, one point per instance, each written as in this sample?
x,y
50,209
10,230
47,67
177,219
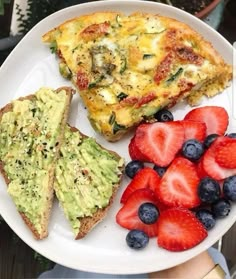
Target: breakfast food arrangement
x,y
130,73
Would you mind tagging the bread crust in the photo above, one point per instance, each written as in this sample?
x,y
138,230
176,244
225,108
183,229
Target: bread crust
x,y
7,108
88,223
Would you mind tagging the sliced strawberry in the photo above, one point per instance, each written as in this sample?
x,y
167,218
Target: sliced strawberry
x,y
178,186
215,118
134,152
127,216
226,154
159,141
145,178
194,130
161,206
210,165
179,230
200,170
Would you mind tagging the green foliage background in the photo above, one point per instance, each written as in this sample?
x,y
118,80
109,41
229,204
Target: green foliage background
x,y
39,9
2,2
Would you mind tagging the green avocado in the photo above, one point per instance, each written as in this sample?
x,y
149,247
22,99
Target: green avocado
x,y
85,176
28,140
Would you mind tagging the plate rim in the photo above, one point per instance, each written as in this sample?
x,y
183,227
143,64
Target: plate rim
x,y
4,68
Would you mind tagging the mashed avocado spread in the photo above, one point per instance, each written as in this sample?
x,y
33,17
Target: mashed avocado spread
x,y
85,176
28,139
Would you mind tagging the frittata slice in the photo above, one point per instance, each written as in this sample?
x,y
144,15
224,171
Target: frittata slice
x,y
126,68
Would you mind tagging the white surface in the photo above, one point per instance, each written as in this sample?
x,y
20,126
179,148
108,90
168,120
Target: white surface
x,y
30,66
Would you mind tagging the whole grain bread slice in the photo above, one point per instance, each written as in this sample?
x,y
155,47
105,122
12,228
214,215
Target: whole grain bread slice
x,y
89,222
40,231
79,184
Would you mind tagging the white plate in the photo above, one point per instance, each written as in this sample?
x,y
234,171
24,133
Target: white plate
x,y
30,66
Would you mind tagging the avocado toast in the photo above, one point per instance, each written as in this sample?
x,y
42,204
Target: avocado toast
x,y
87,178
31,131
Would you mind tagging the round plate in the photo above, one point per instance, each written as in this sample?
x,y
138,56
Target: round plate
x,y
103,250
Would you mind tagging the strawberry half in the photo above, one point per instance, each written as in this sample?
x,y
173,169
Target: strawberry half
x,y
194,130
200,170
178,186
179,230
215,118
160,142
127,216
226,154
145,178
134,152
211,166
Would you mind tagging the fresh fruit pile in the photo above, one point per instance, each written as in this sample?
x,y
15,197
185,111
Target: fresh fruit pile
x,y
183,179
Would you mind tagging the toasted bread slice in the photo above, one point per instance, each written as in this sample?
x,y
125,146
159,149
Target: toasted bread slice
x,y
31,132
87,178
127,67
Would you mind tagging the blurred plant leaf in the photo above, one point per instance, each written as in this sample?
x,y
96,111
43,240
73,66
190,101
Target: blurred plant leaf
x,y
38,10
45,263
1,8
2,2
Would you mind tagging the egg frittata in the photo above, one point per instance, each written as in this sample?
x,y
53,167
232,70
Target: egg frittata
x,y
127,67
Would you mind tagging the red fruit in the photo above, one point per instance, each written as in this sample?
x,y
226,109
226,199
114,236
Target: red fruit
x,y
215,118
179,230
127,216
134,152
194,130
159,141
178,186
200,170
145,178
210,165
226,154
161,206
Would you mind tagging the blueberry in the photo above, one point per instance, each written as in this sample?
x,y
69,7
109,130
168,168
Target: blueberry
x,y
164,115
229,188
231,135
208,190
209,140
137,239
160,170
221,208
192,149
206,217
133,167
148,213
